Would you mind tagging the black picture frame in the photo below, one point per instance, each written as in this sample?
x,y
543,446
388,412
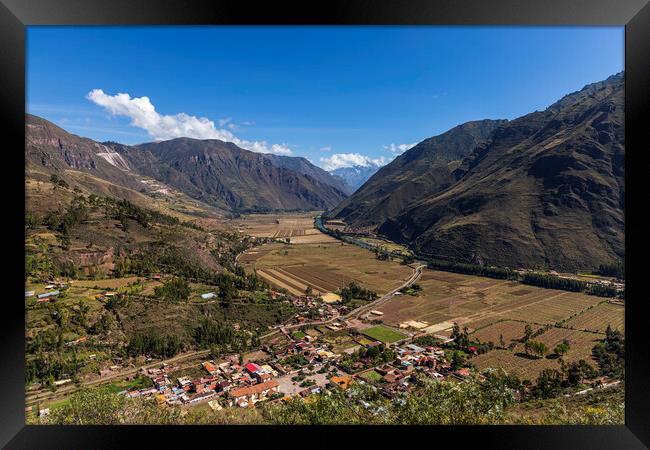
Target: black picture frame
x,y
15,15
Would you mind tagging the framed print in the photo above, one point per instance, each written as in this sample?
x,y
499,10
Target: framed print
x,y
366,218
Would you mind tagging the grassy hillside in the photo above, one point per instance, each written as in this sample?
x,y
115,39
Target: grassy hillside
x,y
129,282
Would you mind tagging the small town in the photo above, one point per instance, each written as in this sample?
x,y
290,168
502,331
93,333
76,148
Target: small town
x,y
293,363
302,366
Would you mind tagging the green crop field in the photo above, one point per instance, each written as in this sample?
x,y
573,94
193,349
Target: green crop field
x,y
383,334
372,376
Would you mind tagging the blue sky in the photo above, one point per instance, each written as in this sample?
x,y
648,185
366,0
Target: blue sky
x,y
336,95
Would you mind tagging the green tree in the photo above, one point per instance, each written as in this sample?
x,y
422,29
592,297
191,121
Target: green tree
x,y
562,348
536,347
528,332
226,291
97,406
549,384
434,403
457,360
174,290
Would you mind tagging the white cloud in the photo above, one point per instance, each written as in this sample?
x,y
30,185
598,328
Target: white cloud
x,y
340,160
143,115
326,149
398,149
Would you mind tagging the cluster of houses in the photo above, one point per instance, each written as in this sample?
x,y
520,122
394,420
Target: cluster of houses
x,y
308,348
231,384
229,381
303,366
397,375
312,308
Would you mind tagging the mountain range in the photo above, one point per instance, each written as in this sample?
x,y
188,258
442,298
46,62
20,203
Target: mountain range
x,y
544,190
423,170
355,176
214,172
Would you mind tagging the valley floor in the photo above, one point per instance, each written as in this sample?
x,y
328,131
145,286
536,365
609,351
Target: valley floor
x,y
329,342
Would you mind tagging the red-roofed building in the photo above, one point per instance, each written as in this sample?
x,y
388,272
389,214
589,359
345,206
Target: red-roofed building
x,y
252,368
209,367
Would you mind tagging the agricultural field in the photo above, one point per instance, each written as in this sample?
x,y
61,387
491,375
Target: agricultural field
x,y
384,334
39,316
299,228
555,308
109,283
323,267
335,224
250,256
515,361
492,308
582,342
388,245
126,285
477,302
598,317
510,330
